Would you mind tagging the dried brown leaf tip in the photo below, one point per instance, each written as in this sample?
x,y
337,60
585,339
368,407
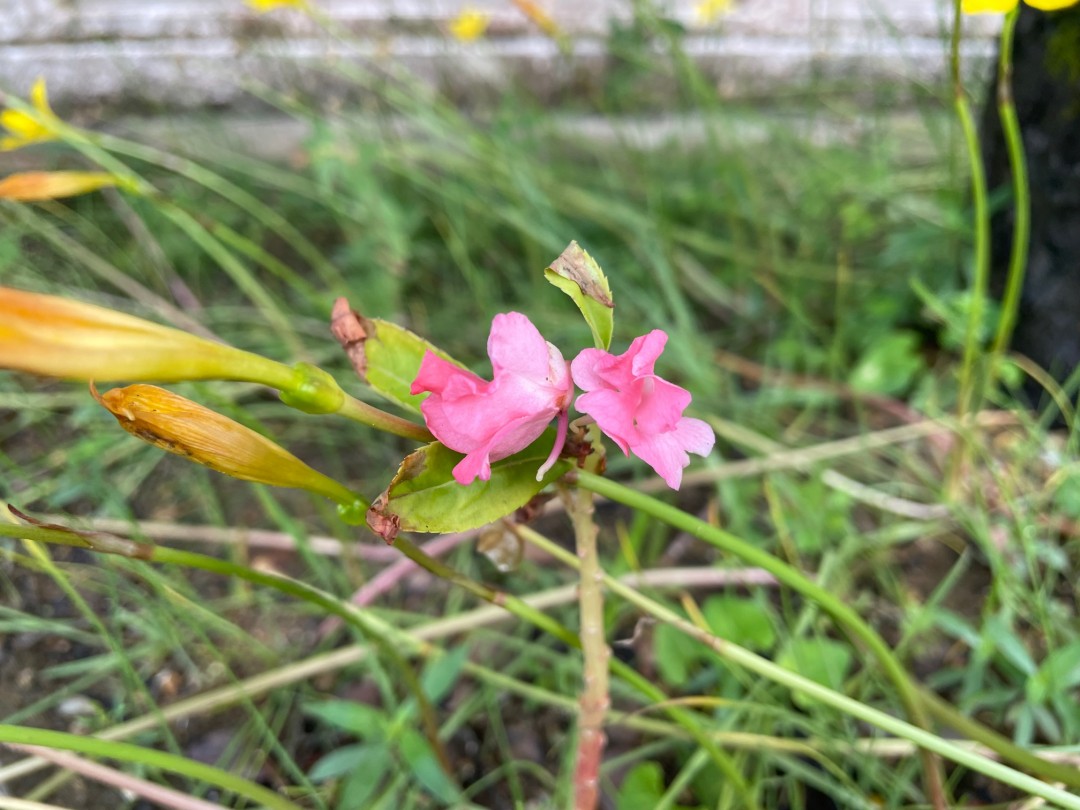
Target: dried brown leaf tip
x,y
577,266
348,328
381,521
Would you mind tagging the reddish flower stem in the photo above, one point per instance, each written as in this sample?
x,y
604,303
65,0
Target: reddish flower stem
x,y
595,652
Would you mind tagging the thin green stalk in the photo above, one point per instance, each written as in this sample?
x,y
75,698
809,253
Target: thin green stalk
x,y
848,619
1010,127
273,220
761,666
523,610
359,411
240,274
970,390
126,752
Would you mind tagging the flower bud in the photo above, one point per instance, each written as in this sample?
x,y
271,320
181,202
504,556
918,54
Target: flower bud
x,y
37,186
55,337
178,425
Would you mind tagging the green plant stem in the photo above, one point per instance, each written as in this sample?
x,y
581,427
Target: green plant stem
x,y
761,666
126,752
371,630
847,618
110,544
970,390
359,411
527,612
595,699
1010,128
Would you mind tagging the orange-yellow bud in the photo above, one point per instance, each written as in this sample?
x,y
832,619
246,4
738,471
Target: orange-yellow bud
x,y
35,186
178,425
56,337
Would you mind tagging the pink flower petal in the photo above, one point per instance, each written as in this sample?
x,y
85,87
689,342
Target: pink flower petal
x,y
490,421
515,345
641,412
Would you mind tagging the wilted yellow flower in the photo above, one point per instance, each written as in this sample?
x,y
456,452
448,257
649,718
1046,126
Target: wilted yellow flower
x,y
263,6
25,128
470,24
34,186
178,425
56,337
1004,6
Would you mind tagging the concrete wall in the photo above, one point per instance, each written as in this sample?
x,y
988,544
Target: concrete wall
x,y
147,55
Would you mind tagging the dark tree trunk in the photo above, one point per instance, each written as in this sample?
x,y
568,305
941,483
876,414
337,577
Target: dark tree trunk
x,y
1046,88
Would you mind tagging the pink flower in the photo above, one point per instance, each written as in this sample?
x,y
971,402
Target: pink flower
x,y
489,421
639,411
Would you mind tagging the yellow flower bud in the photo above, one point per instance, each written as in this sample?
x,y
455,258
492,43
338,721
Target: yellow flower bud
x,y
35,186
55,337
178,425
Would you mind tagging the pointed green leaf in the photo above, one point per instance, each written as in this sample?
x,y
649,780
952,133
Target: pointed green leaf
x,y
578,275
424,497
425,768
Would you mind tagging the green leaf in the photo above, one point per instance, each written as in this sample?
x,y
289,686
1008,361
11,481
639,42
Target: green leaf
x,y
359,719
822,660
1057,674
742,621
385,355
442,673
890,364
341,761
424,497
675,653
642,788
425,767
578,275
365,778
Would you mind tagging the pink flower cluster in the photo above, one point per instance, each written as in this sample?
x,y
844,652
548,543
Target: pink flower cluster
x,y
531,385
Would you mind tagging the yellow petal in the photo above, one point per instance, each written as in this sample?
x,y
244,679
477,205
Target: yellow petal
x,y
470,24
32,186
708,10
1051,5
263,6
39,96
57,337
987,6
176,424
25,128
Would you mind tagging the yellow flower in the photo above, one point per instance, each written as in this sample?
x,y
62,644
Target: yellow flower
x,y
27,128
470,24
708,10
56,337
176,424
33,186
1004,6
263,6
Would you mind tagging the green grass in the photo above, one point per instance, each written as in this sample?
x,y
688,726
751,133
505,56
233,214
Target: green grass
x,y
833,271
